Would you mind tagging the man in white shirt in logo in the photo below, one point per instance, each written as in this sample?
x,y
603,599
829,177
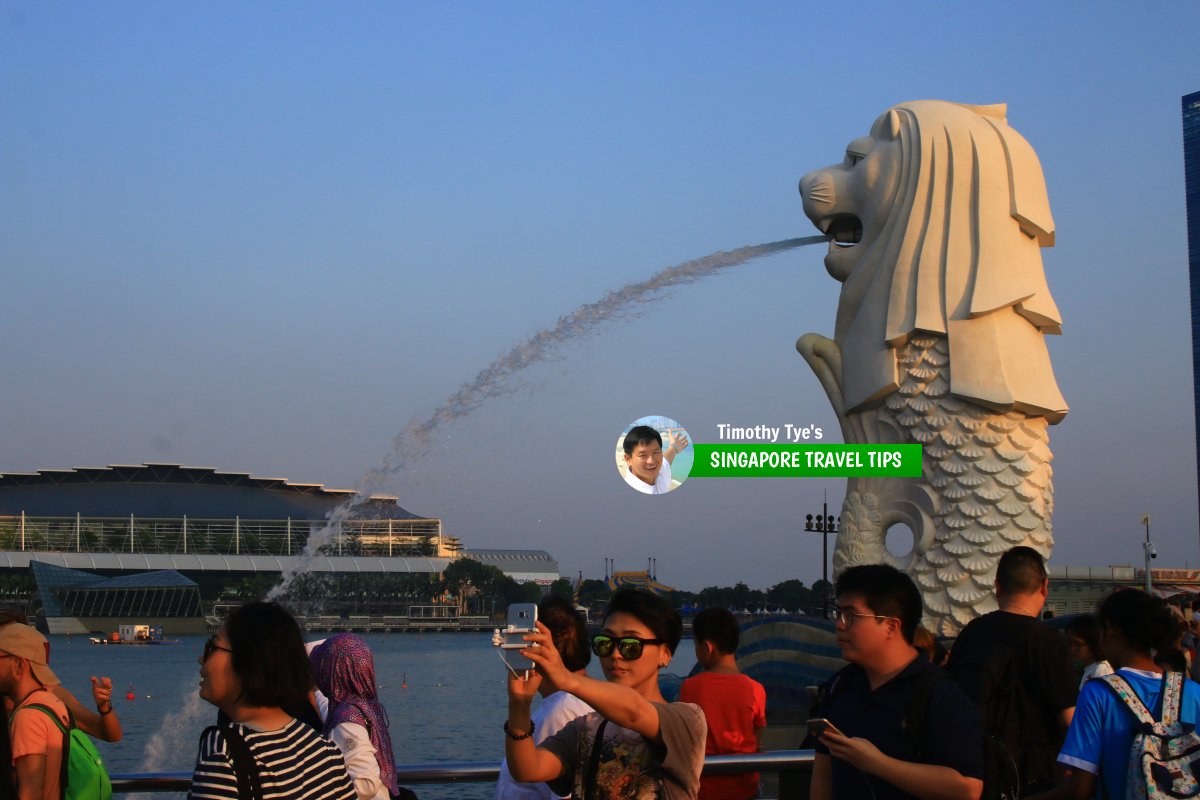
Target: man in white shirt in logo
x,y
649,465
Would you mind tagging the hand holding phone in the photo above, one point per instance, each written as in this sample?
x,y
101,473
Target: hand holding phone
x,y
522,620
819,726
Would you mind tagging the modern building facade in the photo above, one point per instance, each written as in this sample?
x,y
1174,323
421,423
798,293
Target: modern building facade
x,y
163,531
1080,590
170,508
523,566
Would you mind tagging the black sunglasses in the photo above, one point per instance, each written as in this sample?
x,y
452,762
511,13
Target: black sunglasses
x,y
211,646
630,647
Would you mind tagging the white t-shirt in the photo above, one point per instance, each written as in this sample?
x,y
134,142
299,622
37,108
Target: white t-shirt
x,y
661,485
1096,669
549,717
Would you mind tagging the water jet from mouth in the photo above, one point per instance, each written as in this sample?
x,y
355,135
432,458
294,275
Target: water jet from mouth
x,y
496,379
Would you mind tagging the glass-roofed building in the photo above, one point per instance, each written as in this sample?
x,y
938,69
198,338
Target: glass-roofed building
x,y
75,601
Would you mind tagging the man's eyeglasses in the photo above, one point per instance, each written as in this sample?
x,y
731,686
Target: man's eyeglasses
x,y
211,647
630,647
845,617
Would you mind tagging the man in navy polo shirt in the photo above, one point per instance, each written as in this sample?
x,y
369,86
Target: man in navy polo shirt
x,y
878,609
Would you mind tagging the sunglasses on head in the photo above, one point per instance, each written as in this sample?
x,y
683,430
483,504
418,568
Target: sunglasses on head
x,y
630,647
211,646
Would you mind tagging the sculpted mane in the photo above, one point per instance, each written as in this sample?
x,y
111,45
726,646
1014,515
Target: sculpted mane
x,y
959,255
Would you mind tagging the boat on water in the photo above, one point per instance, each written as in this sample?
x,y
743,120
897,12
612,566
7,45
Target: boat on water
x,y
134,634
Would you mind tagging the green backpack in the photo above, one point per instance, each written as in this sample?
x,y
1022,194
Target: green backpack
x,y
83,776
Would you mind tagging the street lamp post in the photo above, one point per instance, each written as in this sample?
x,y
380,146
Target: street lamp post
x,y
825,524
1148,550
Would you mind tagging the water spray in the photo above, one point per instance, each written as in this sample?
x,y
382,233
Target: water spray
x,y
495,380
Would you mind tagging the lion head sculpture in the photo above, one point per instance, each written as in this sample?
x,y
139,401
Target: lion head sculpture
x,y
936,222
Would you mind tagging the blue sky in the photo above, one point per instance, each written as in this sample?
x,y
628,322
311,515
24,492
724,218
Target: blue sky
x,y
264,237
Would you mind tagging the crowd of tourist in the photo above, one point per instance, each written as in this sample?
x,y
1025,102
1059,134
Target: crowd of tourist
x,y
1017,709
1105,707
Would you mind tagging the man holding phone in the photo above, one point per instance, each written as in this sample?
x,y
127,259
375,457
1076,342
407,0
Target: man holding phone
x,y
892,726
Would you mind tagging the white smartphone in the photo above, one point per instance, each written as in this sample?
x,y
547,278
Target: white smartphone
x,y
522,619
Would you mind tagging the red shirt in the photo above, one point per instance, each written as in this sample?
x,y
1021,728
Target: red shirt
x,y
734,706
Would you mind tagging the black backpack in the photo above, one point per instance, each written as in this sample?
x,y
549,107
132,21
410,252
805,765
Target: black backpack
x,y
1001,778
987,673
245,767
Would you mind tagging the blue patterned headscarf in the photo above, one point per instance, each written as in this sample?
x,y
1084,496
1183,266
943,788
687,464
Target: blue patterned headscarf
x,y
344,671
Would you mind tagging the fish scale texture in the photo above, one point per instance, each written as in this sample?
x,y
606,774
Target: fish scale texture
x,y
986,487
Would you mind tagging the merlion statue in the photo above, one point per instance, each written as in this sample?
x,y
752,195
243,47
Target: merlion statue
x,y
936,221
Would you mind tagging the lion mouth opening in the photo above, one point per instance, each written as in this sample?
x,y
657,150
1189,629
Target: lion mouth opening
x,y
844,230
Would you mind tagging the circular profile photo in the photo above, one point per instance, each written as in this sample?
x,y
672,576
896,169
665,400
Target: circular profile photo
x,y
654,455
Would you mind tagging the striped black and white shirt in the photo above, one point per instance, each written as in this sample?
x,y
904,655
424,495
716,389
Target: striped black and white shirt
x,y
295,763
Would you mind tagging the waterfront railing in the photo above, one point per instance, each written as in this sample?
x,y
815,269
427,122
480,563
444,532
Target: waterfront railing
x,y
793,768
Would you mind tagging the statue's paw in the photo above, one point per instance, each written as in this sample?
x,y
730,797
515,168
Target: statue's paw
x,y
808,344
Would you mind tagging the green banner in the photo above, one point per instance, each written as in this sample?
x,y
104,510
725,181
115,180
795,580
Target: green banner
x,y
807,461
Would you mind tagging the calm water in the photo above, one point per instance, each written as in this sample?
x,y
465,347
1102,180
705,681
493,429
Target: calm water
x,y
452,709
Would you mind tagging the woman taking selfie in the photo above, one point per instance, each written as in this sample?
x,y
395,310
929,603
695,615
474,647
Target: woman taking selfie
x,y
635,743
252,669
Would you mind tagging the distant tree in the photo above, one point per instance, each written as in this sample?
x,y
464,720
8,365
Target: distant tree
x,y
563,588
790,594
679,598
406,585
526,593
255,587
740,596
715,597
822,592
17,585
593,592
466,578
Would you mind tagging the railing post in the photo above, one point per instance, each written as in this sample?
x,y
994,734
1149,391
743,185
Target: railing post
x,y
22,530
289,536
185,534
131,533
237,536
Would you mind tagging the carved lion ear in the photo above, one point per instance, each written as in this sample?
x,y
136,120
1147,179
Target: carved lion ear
x,y
892,124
